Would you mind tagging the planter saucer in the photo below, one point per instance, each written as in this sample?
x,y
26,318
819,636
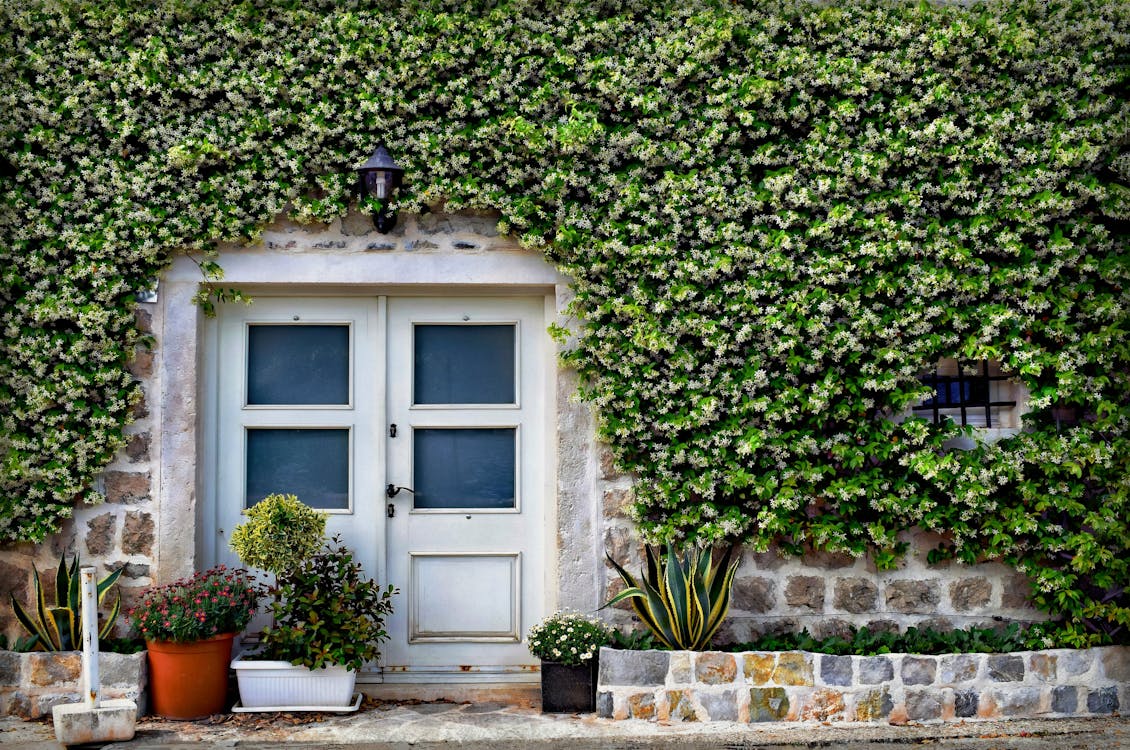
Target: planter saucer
x,y
239,709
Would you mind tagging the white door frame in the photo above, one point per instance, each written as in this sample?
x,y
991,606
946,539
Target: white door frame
x,y
204,346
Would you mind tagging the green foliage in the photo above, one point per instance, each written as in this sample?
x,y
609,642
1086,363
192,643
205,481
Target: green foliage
x,y
568,638
279,533
208,603
682,601
776,215
862,642
327,614
59,627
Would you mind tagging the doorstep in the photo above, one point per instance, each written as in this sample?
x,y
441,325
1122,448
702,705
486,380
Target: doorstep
x,y
519,694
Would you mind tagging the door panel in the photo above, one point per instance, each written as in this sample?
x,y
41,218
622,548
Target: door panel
x,y
466,546
301,384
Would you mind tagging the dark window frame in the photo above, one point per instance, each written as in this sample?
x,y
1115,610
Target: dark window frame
x,y
962,392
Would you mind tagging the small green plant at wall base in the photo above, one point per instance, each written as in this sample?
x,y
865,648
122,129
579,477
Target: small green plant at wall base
x,y
206,604
568,638
682,600
280,532
326,613
59,627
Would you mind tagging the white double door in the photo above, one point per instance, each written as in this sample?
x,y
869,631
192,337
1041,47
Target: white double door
x,y
419,425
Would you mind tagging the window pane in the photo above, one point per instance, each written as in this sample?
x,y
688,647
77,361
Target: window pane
x,y
298,364
466,364
464,468
312,464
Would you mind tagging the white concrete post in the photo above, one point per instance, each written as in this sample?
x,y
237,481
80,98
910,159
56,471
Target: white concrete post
x,y
89,637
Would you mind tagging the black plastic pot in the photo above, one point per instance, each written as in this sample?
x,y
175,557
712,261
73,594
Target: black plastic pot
x,y
568,689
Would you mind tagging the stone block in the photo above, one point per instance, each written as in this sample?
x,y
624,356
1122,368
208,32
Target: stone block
x,y
618,543
357,224
829,560
754,595
1043,667
126,487
100,532
633,668
722,706
137,449
144,319
131,569
19,704
1018,701
641,706
758,667
680,706
771,559
823,705
54,669
1006,667
14,581
141,366
793,668
971,594
11,669
855,595
883,626
604,704
768,704
113,721
956,668
381,247
805,592
715,668
1102,701
875,669
874,705
1065,699
122,670
832,627
1074,663
1116,662
616,503
608,469
923,705
1016,593
965,703
680,668
413,245
138,534
919,670
835,670
913,597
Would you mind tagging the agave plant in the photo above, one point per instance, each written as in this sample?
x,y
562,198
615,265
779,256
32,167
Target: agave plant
x,y
683,601
59,628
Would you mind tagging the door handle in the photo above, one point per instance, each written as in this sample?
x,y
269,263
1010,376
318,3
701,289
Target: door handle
x,y
392,490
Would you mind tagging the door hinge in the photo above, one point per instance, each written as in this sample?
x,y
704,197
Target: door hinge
x,y
392,430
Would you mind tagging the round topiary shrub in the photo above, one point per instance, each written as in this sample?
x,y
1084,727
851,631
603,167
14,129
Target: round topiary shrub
x,y
280,533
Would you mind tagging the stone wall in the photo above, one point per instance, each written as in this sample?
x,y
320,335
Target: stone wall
x,y
682,686
149,522
119,533
828,593
30,684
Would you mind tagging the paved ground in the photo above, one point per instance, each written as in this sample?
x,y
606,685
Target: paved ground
x,y
442,725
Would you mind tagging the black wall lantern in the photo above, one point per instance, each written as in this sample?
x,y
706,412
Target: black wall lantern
x,y
380,178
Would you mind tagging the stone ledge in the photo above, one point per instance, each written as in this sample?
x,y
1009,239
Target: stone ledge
x,y
32,684
764,686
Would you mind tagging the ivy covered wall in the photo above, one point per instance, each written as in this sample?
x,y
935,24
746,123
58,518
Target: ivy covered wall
x,y
777,216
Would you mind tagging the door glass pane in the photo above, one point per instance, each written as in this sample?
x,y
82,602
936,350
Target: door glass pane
x,y
312,464
463,364
298,364
471,468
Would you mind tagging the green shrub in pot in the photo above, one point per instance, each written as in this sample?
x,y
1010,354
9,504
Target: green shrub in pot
x,y
326,613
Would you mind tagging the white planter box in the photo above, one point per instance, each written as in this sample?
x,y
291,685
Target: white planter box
x,y
277,685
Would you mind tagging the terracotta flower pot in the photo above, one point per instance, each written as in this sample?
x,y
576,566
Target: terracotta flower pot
x,y
189,680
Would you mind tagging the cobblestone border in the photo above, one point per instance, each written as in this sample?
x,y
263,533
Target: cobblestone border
x,y
763,686
30,684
